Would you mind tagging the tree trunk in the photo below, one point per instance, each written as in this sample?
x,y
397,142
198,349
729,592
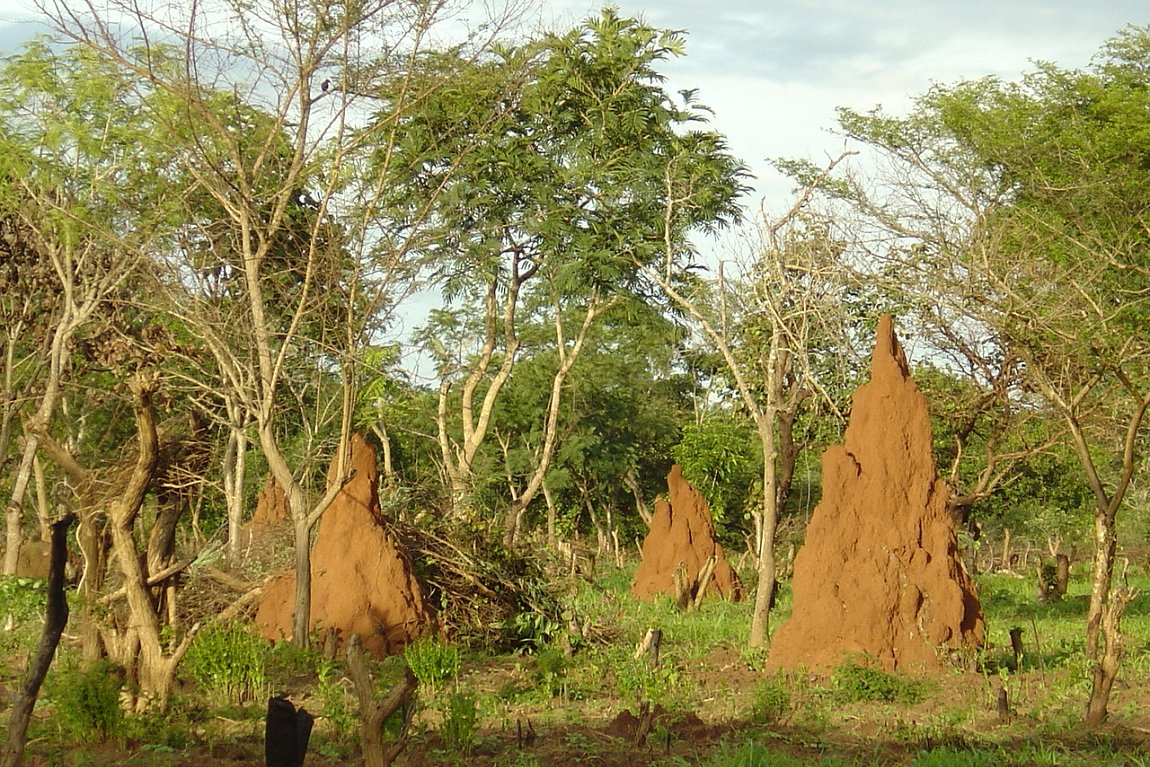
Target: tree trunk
x,y
552,533
1106,668
567,358
56,618
14,518
632,483
765,426
57,358
373,712
764,593
235,475
301,615
1105,541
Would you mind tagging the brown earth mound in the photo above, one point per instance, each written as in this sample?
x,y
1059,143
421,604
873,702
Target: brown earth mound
x,y
682,538
879,574
35,559
271,505
361,582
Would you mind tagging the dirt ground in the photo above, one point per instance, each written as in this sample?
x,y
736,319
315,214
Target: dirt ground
x,y
600,729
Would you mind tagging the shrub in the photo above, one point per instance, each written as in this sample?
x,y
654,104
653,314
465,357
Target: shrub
x,y
229,663
551,671
23,598
854,683
335,706
86,700
460,722
771,700
432,661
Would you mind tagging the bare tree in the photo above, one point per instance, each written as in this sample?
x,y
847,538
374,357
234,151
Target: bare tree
x,y
281,262
762,314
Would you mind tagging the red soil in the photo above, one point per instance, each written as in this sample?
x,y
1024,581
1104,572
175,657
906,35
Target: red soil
x,y
361,582
879,574
682,533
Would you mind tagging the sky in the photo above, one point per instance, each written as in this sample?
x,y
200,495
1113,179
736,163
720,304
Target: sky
x,y
774,71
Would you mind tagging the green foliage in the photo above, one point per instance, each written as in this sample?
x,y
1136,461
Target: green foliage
x,y
754,754
530,630
952,757
229,663
637,680
857,683
287,662
23,598
86,700
460,728
718,457
551,671
432,661
335,704
771,700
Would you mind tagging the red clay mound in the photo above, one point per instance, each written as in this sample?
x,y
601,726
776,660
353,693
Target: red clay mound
x,y
682,534
361,583
271,505
879,574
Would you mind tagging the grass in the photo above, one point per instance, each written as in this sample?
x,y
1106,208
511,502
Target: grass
x,y
716,704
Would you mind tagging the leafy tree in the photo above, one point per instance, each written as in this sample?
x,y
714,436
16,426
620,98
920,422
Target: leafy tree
x,y
298,268
717,457
1024,204
621,415
769,314
78,200
551,166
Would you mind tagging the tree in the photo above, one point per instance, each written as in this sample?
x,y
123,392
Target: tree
x,y
561,154
76,200
767,313
623,404
1025,204
261,103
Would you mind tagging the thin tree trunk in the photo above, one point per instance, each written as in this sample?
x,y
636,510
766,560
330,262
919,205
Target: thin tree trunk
x,y
1105,541
567,359
760,617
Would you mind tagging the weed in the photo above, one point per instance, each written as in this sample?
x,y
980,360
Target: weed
x,y
23,598
518,759
771,701
229,663
749,754
287,662
529,631
460,728
432,661
638,681
334,701
551,671
957,757
86,701
855,683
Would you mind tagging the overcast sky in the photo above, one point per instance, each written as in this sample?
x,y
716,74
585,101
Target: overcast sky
x,y
774,70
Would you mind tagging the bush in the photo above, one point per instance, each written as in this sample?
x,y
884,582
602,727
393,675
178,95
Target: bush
x,y
86,701
551,671
854,683
23,598
432,661
229,663
460,722
772,700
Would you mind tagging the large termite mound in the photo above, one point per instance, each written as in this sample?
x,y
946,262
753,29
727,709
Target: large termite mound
x,y
682,539
879,575
361,582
